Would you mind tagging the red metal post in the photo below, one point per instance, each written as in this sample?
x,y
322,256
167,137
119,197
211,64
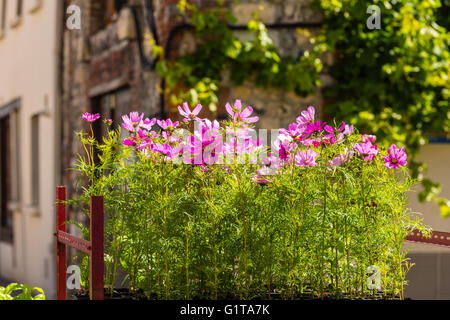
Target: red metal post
x,y
97,256
61,268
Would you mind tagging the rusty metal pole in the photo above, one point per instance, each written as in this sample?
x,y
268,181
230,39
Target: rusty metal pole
x,y
97,255
61,268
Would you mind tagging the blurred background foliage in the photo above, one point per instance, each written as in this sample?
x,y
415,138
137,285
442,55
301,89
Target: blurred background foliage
x,y
392,82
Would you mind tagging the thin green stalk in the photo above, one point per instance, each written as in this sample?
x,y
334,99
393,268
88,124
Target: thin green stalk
x,y
188,293
247,279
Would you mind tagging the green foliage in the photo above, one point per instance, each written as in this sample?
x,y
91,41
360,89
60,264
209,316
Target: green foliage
x,y
393,82
16,291
196,76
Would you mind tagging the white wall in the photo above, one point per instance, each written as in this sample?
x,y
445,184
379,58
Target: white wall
x,y
29,55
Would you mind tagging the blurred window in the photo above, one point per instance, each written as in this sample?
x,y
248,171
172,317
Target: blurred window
x,y
5,180
9,174
5,216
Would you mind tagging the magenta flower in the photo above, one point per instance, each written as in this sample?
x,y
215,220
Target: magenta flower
x,y
338,161
239,115
91,117
294,130
367,150
168,124
396,157
188,114
306,158
348,130
165,149
147,124
315,142
307,117
205,146
284,147
169,152
132,121
341,159
330,138
268,171
141,139
272,162
371,138
315,127
129,142
261,180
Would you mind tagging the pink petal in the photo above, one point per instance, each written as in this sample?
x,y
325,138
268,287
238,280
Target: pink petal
x,y
229,109
197,110
247,112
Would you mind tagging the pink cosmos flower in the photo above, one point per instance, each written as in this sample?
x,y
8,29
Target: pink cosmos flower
x,y
330,138
284,147
367,150
306,117
242,145
205,146
306,158
348,130
147,124
140,139
205,151
91,117
165,149
239,115
267,171
341,159
396,157
169,152
188,114
307,142
129,142
314,142
344,130
272,162
315,127
294,130
338,161
168,124
132,121
262,180
371,138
